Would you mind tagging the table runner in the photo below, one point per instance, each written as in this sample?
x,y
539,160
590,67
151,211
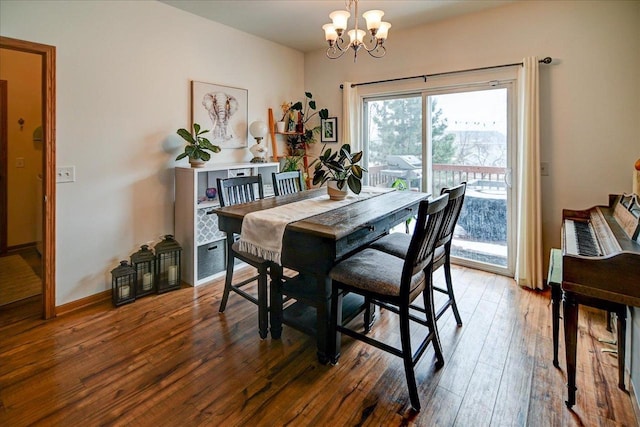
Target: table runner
x,y
262,231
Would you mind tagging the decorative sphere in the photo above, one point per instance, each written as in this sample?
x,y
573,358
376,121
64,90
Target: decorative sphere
x,y
211,193
638,165
258,129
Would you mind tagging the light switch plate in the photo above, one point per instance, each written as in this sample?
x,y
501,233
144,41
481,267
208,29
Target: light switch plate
x,y
66,174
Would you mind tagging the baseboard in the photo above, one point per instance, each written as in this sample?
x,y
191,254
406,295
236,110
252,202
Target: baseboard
x,y
635,402
83,302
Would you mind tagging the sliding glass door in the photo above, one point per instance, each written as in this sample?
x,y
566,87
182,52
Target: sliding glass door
x,y
431,140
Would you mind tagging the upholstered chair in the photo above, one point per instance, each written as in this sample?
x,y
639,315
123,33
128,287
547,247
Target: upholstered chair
x,y
394,283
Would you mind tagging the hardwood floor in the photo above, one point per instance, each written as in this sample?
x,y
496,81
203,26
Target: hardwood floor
x,y
173,360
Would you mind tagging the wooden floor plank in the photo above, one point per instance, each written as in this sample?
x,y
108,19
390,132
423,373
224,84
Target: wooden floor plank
x,y
172,359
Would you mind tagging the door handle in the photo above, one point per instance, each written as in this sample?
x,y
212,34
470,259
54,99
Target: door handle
x,y
507,177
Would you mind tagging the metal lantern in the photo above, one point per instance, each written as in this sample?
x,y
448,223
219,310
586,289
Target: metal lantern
x,y
168,257
144,262
123,282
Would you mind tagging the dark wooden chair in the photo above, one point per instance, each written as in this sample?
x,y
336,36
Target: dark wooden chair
x,y
287,182
398,243
232,191
394,283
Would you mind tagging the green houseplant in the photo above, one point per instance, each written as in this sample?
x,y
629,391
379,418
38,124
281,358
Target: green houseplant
x,y
198,147
305,135
339,167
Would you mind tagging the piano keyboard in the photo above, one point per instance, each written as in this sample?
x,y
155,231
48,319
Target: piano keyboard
x,y
580,238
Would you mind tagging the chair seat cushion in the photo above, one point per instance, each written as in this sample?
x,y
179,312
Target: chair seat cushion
x,y
376,272
397,244
246,256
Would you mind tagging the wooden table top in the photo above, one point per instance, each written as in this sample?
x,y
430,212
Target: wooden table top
x,y
337,223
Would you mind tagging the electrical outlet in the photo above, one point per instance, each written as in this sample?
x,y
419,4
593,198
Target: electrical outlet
x,y
544,168
66,174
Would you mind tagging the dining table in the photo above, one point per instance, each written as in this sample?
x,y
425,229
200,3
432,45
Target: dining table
x,y
311,246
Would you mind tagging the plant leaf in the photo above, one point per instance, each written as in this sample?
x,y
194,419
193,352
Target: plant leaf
x,y
186,136
196,128
354,184
356,171
308,95
318,176
181,156
204,155
356,157
312,105
324,113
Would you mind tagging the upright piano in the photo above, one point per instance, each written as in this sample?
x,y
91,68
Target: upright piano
x,y
600,268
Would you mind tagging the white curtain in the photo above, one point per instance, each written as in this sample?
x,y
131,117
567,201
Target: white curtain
x,y
351,117
529,224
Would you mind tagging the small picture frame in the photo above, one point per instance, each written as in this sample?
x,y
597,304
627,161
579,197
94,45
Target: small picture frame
x,y
329,129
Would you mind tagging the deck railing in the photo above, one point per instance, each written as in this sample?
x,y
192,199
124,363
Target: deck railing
x,y
443,175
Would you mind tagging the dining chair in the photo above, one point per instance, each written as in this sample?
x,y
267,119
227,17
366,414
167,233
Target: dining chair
x,y
287,182
398,244
233,191
394,283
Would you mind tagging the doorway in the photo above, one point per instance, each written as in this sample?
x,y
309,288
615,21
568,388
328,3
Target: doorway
x,y
47,54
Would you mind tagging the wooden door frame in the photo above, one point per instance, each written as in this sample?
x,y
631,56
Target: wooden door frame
x,y
48,54
3,167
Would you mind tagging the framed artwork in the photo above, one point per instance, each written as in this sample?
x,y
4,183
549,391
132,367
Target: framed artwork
x,y
329,129
223,110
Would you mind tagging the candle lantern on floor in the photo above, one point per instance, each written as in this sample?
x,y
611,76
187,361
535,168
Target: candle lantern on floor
x,y
123,284
168,254
144,262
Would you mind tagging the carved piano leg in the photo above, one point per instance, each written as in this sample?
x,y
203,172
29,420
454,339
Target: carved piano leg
x,y
556,297
622,328
570,308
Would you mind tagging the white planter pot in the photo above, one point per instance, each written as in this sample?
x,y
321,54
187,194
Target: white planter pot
x,y
197,163
335,193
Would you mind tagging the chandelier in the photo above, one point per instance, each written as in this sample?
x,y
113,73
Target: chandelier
x,y
378,31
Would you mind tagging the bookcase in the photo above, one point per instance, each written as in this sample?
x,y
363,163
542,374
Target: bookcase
x,y
203,245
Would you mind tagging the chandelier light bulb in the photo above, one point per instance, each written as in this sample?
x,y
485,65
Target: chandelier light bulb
x,y
373,18
383,31
360,36
339,18
330,33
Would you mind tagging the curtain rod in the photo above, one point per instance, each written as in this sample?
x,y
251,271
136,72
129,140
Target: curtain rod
x,y
546,60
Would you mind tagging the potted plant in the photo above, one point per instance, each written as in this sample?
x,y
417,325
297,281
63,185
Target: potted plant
x,y
198,147
299,116
339,168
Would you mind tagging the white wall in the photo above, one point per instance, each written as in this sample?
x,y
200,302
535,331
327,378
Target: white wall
x,y
123,75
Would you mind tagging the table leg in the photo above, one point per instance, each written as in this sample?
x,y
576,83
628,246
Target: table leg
x,y
275,297
570,308
323,320
556,297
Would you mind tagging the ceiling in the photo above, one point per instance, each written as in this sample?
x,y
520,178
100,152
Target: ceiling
x,y
298,23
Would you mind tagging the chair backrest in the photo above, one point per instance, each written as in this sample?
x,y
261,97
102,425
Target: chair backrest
x,y
241,189
423,241
452,212
287,182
